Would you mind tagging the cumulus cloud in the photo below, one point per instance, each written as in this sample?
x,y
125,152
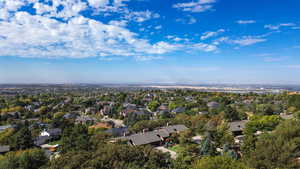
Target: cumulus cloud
x,y
60,30
243,22
98,3
187,20
158,27
277,27
195,6
248,40
121,23
141,16
207,35
205,47
147,58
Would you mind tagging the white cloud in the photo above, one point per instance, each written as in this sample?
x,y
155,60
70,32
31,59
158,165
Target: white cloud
x,y
192,20
177,39
141,16
195,6
187,20
13,5
248,40
121,23
277,27
158,27
119,3
205,47
220,40
73,35
39,36
147,58
207,35
243,22
98,3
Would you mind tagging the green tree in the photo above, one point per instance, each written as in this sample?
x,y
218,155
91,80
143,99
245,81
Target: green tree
x,y
75,138
231,114
153,105
277,149
218,162
207,148
28,159
22,139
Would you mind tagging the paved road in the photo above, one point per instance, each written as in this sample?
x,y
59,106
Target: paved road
x,y
165,150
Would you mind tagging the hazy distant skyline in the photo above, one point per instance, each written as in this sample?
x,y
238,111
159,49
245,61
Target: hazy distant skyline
x,y
150,41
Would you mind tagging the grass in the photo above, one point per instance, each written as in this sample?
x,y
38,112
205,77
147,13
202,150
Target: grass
x,y
177,148
55,142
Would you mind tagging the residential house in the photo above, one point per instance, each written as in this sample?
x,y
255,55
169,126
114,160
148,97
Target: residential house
x,y
29,108
286,116
2,128
117,132
41,140
106,110
4,149
106,125
70,116
126,112
163,108
53,133
90,110
213,105
85,120
237,127
203,112
14,114
156,137
178,110
129,106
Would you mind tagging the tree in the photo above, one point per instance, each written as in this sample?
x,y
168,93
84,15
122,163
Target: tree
x,y
218,162
153,105
75,138
116,156
22,139
28,159
262,123
207,147
294,101
231,114
277,149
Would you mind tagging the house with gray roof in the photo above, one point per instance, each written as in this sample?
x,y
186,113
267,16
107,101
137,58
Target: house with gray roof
x,y
4,149
178,110
155,137
2,128
213,105
40,140
237,127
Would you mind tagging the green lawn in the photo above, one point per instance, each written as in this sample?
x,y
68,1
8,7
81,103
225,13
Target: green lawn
x,y
55,142
177,148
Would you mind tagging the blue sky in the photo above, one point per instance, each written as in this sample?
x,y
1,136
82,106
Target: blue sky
x,y
150,41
